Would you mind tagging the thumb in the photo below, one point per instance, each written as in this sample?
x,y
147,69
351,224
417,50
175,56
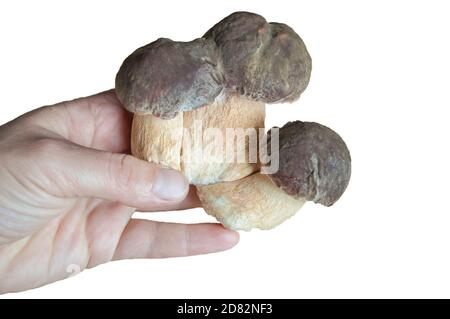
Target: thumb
x,y
118,177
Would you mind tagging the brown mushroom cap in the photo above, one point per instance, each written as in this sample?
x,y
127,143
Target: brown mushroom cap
x,y
166,77
314,162
263,61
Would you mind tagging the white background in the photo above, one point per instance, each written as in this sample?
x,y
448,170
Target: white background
x,y
381,75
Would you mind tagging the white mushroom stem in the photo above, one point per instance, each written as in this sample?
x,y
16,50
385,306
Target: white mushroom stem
x,y
252,202
157,140
174,143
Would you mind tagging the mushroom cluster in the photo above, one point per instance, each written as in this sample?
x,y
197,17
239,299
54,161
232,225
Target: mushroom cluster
x,y
220,81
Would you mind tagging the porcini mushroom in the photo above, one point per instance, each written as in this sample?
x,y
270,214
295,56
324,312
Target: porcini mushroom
x,y
221,80
314,165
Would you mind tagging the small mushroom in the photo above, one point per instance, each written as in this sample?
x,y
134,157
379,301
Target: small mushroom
x,y
314,165
221,80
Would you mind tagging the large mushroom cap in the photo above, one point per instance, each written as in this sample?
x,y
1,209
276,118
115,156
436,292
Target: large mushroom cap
x,y
314,162
263,61
166,77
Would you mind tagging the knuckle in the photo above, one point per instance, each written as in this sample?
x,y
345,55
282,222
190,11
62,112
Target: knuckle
x,y
130,176
121,171
43,147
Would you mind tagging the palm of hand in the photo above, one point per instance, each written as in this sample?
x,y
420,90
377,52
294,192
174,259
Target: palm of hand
x,y
68,192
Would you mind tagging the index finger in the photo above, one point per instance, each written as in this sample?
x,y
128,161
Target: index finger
x,y
98,121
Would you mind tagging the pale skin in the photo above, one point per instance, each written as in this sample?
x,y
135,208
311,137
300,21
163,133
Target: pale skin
x,y
68,190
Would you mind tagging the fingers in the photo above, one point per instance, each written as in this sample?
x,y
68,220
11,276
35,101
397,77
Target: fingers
x,y
76,171
109,122
149,239
191,201
98,121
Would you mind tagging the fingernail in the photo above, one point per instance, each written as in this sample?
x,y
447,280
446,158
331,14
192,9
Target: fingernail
x,y
230,238
170,185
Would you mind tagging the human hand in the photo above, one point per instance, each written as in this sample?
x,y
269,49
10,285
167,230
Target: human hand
x,y
68,190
